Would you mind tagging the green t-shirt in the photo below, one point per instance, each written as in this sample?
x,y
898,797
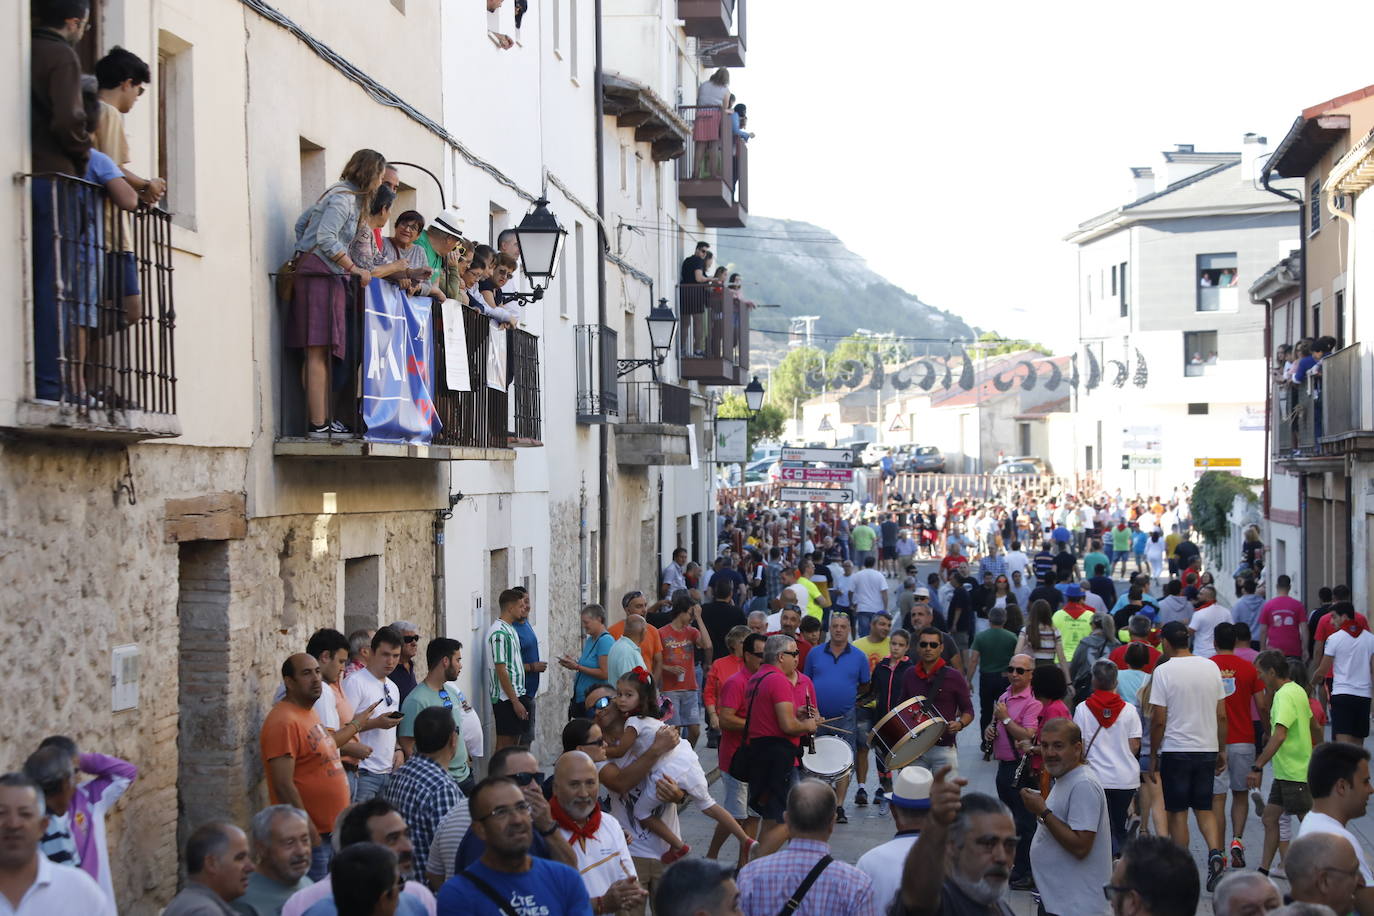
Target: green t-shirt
x,y
1121,539
862,537
1071,628
436,263
421,697
995,647
1091,561
813,592
1292,710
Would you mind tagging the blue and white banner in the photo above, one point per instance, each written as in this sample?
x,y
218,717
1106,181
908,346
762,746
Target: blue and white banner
x,y
398,349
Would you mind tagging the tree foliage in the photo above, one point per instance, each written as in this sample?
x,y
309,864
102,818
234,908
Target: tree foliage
x,y
787,383
1213,496
768,424
991,344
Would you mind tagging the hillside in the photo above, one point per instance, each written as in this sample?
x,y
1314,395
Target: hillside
x,y
806,270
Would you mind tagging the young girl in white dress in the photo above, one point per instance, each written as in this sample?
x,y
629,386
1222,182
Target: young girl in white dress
x,y
637,700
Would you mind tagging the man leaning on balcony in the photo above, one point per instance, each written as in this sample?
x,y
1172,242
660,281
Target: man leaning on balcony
x,y
440,240
60,143
692,295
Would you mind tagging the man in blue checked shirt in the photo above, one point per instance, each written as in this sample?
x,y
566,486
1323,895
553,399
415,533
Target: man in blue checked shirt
x,y
768,884
422,790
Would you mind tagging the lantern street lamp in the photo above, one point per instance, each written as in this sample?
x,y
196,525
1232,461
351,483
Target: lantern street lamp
x,y
540,238
753,396
662,325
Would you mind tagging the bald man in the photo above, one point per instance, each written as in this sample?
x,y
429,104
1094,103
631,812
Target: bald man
x,y
302,759
626,652
1323,868
603,858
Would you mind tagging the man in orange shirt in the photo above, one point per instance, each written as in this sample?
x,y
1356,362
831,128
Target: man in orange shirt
x,y
651,646
302,757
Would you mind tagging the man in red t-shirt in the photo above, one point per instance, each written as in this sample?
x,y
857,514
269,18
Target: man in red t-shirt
x,y
730,712
1241,682
680,637
1139,628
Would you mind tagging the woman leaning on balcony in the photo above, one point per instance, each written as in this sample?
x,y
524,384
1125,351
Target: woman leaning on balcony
x,y
315,324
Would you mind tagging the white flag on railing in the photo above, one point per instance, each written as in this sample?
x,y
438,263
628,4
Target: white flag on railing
x,y
496,357
457,373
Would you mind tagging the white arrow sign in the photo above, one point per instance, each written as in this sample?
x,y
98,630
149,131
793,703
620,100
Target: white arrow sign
x,y
818,475
815,495
842,456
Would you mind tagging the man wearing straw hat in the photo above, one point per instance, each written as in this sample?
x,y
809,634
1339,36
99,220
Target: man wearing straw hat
x,y
910,805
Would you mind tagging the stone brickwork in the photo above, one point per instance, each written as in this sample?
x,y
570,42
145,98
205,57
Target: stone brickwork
x,y
88,570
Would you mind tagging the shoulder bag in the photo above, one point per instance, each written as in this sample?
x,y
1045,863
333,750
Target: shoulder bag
x,y
501,904
795,900
742,763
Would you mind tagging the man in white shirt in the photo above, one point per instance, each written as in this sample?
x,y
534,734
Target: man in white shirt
x,y
1204,620
362,689
1338,776
1349,656
910,805
34,886
868,589
1016,560
603,858
1188,741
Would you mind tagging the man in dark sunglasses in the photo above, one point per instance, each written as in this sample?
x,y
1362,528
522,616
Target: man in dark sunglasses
x,y
403,675
517,763
1016,716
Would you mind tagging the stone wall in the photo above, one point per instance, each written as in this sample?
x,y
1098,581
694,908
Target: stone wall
x,y
82,544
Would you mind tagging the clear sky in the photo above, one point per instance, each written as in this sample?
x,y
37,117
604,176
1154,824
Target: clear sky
x,y
954,145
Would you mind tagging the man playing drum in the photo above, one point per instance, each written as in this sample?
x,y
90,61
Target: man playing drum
x,y
943,686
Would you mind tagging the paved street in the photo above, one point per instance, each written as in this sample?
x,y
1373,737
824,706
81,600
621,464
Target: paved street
x,y
871,825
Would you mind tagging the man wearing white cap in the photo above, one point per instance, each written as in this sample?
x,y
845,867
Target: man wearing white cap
x,y
910,803
438,241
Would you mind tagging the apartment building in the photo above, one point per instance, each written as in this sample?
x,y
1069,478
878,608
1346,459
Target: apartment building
x,y
1164,338
167,520
1321,485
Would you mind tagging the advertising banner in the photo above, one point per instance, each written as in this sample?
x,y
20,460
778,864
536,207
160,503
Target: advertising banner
x,y
398,405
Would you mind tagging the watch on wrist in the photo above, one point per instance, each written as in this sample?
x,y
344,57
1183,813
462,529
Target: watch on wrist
x,y
1007,720
1044,817
549,832
1257,769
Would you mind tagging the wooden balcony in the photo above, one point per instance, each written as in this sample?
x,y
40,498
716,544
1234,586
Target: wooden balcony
x,y
713,335
713,173
706,18
653,431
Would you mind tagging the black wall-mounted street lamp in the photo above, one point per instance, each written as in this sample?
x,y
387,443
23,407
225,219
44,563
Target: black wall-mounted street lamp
x,y
540,238
753,396
662,325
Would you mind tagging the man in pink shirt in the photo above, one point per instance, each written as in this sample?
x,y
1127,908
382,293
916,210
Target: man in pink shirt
x,y
729,708
1283,621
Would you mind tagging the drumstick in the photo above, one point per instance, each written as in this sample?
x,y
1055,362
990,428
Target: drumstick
x,y
836,728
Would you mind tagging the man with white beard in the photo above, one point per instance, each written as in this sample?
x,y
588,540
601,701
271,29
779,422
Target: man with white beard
x,y
961,863
603,858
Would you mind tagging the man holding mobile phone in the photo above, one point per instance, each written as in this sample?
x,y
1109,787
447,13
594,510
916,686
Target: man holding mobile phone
x,y
363,689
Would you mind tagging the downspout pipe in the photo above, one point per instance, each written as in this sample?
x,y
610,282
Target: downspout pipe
x,y
603,511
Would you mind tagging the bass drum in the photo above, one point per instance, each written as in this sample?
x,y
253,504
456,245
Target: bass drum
x,y
831,761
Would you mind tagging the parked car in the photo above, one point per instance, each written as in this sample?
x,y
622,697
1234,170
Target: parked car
x,y
1039,465
871,455
925,459
1016,469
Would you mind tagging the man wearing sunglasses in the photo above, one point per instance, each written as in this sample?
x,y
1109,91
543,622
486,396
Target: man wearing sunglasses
x,y
1155,875
363,689
729,711
403,675
519,765
942,684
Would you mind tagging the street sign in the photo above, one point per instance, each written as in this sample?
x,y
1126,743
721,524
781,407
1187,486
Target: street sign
x,y
818,475
1216,462
825,424
815,495
841,456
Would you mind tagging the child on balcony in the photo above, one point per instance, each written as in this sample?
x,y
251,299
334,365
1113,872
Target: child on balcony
x,y
637,700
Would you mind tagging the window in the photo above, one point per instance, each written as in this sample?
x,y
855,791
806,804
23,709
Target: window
x,y
1314,206
1218,283
1199,352
496,221
1089,285
1197,410
1113,279
572,38
314,178
623,169
1340,319
579,249
1316,319
639,180
1125,306
176,133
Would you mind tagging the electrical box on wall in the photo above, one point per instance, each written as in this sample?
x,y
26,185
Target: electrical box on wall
x,y
124,677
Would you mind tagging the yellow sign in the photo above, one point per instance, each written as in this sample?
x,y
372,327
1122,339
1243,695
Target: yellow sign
x,y
1216,462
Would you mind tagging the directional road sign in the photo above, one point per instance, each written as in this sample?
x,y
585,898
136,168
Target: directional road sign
x,y
816,495
818,475
841,456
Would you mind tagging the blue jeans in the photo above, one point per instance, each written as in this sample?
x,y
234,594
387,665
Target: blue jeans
x,y
370,785
863,622
320,857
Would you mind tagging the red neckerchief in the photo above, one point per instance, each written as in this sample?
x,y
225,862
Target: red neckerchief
x,y
921,667
1353,627
1076,610
1203,606
580,834
1106,706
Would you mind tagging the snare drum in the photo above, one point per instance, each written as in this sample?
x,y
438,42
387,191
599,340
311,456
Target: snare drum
x,y
907,732
832,760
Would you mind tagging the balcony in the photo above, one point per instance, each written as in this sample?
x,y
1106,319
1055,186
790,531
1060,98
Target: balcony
x,y
416,389
1343,401
597,398
103,319
716,185
653,431
713,340
711,22
1314,428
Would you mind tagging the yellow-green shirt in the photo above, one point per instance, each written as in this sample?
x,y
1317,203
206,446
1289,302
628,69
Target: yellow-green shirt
x,y
1292,710
1071,628
813,592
